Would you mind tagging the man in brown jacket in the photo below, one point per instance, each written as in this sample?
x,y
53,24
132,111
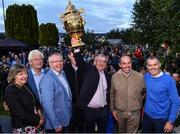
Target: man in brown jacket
x,y
126,96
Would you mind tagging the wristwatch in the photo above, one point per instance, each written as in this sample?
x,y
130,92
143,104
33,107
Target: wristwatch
x,y
170,122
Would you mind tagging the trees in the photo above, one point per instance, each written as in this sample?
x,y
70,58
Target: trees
x,y
48,35
2,35
157,20
67,40
22,24
114,34
89,38
144,21
128,35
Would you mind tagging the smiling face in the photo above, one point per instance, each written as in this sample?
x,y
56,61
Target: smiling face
x,y
56,62
126,64
153,66
176,77
100,62
36,61
21,78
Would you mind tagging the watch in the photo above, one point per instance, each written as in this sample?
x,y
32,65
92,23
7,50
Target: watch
x,y
170,122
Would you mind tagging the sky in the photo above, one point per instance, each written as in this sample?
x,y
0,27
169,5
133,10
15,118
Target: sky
x,y
101,16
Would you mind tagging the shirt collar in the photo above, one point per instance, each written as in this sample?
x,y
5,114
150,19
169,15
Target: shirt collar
x,y
75,67
58,73
157,76
34,73
126,75
101,72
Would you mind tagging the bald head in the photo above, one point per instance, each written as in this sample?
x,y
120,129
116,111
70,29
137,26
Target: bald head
x,y
125,63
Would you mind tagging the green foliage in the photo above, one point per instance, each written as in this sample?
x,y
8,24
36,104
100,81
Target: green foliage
x,y
89,38
48,35
144,21
127,35
2,36
22,24
114,34
67,40
105,43
156,21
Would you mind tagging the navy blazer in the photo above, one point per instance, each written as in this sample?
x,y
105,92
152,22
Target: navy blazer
x,y
32,83
89,88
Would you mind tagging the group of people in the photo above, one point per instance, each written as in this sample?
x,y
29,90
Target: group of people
x,y
79,96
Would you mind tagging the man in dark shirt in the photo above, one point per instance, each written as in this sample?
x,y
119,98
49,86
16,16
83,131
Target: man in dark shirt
x,y
177,79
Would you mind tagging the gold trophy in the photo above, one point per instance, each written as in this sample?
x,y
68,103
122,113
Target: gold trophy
x,y
73,24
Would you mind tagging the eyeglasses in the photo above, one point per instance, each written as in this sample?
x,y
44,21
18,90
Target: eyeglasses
x,y
101,61
56,61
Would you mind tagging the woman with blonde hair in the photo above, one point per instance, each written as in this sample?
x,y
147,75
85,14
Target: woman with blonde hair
x,y
24,107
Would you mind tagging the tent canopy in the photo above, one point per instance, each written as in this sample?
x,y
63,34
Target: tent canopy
x,y
10,42
12,45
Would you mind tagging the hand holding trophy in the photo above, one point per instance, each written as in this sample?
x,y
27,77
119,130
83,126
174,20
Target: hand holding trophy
x,y
73,24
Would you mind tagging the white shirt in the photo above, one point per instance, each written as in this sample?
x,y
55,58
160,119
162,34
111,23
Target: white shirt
x,y
63,80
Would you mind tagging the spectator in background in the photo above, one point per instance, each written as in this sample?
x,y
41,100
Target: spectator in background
x,y
23,58
2,76
177,80
16,60
4,69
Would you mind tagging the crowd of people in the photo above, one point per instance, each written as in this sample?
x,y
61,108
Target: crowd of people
x,y
90,90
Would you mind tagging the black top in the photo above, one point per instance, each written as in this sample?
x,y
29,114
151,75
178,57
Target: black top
x,y
22,102
76,78
178,88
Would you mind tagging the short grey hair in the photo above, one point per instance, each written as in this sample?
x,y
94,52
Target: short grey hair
x,y
57,54
98,56
33,52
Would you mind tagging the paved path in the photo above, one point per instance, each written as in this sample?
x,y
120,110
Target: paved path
x,y
177,129
5,123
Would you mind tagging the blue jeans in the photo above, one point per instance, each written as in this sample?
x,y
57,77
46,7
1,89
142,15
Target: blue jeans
x,y
151,125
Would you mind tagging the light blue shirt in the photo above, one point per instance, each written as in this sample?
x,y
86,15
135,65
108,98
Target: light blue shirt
x,y
37,79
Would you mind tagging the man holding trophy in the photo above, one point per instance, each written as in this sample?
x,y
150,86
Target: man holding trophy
x,y
74,25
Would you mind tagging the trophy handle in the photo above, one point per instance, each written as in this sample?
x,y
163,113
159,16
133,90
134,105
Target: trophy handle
x,y
84,22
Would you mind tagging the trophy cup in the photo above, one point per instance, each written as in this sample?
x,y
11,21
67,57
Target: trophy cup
x,y
73,24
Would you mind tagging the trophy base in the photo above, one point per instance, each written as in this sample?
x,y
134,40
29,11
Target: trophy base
x,y
78,44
